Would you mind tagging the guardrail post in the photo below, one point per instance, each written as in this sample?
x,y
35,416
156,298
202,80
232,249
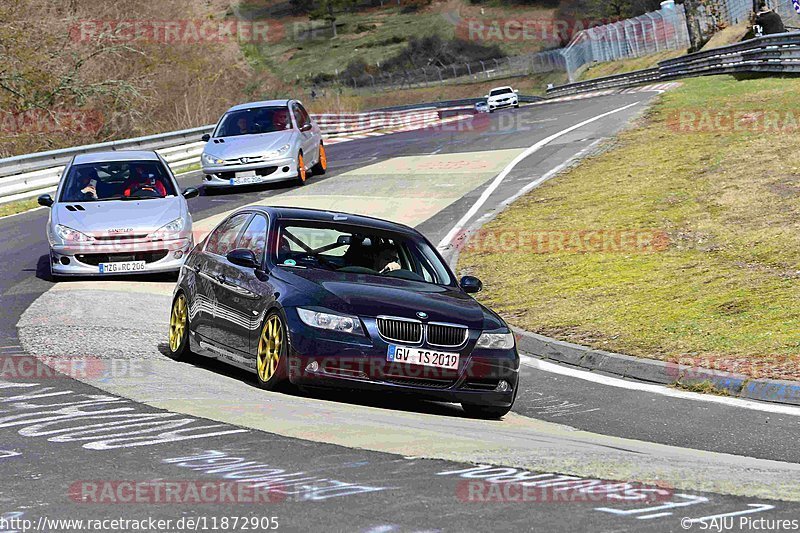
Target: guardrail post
x,y
483,66
439,72
469,70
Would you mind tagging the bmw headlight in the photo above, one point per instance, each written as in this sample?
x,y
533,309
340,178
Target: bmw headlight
x,y
495,341
169,230
279,152
331,321
69,235
209,159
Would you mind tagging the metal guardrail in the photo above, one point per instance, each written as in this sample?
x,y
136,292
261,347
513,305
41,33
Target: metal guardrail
x,y
28,175
772,53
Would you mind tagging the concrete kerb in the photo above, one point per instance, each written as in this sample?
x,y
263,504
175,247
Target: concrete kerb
x,y
654,371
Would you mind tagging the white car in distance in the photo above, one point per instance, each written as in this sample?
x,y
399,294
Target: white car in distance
x,y
500,97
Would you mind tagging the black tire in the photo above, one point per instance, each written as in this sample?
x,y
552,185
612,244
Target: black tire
x,y
178,341
485,411
275,379
491,110
516,106
320,166
302,173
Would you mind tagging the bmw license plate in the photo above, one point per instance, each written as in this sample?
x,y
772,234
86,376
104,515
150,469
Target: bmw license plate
x,y
242,178
417,356
121,266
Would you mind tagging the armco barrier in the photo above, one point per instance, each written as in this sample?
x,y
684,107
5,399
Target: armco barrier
x,y
769,54
29,175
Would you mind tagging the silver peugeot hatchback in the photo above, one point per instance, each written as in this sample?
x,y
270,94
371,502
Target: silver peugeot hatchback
x,y
118,213
262,142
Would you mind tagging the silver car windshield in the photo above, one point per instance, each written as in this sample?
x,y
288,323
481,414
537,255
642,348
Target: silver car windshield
x,y
117,180
254,121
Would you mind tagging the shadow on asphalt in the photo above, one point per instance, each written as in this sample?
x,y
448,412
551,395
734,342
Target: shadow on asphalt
x,y
396,402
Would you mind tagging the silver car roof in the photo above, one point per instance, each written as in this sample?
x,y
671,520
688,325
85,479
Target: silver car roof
x,y
264,103
121,155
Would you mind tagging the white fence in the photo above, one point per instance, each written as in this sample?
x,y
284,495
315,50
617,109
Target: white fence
x,y
644,35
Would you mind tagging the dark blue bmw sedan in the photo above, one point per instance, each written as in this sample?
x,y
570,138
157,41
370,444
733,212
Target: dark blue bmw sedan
x,y
317,298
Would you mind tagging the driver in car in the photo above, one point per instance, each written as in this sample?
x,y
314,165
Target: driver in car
x,y
387,260
86,184
281,119
143,180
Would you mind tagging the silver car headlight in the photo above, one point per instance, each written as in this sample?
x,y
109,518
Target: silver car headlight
x,y
495,341
169,230
331,321
209,159
69,235
279,152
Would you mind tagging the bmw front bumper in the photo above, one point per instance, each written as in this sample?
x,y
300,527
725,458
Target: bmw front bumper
x,y
357,362
503,103
284,168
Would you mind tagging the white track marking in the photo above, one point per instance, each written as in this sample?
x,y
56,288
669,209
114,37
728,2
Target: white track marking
x,y
517,160
754,508
565,370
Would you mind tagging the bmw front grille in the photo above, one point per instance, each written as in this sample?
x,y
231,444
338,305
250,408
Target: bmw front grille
x,y
413,331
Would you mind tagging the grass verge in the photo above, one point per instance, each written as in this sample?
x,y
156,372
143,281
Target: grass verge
x,y
721,197
12,208
610,68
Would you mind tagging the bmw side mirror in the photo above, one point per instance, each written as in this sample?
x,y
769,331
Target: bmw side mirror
x,y
516,91
305,127
206,137
190,192
471,284
243,257
46,200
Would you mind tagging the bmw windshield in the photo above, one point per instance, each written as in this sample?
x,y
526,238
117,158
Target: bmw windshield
x,y
117,180
347,249
254,121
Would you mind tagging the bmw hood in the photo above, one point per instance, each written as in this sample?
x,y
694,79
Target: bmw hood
x,y
358,295
118,216
248,145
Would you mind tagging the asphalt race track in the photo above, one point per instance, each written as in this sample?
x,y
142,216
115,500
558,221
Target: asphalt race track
x,y
72,448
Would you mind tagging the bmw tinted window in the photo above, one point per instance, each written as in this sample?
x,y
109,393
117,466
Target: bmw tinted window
x,y
223,239
498,92
254,237
359,250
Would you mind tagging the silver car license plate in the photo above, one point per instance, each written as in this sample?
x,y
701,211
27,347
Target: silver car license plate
x,y
121,266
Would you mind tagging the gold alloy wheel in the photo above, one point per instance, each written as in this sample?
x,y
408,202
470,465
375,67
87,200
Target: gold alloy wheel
x,y
269,348
301,168
323,159
177,323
